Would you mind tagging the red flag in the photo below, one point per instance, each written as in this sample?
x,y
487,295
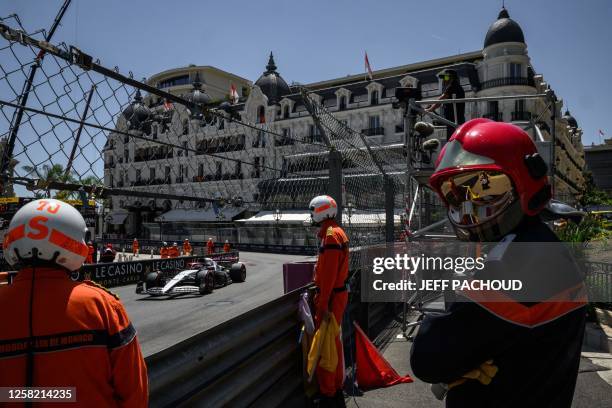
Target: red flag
x,y
168,105
233,94
368,67
373,371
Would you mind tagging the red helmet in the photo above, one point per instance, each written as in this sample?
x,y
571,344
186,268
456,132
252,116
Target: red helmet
x,y
481,145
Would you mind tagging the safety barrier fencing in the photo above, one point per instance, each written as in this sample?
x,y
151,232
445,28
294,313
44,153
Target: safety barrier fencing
x,y
199,247
599,281
251,360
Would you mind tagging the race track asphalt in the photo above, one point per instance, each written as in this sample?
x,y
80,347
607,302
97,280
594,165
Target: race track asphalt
x,y
162,322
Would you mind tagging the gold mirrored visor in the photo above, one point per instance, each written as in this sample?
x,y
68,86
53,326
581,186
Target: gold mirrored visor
x,y
478,187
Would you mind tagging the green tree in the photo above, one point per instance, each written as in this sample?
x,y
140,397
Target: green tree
x,y
48,174
592,195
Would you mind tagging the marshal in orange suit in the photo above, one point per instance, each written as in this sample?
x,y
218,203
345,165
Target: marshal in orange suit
x,y
331,273
59,333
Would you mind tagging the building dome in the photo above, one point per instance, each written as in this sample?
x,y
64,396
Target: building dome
x,y
198,95
570,120
272,84
136,113
504,30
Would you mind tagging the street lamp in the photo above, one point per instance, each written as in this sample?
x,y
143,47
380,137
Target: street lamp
x,y
277,217
109,220
161,224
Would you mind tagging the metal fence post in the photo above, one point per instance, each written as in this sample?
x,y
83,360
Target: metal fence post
x,y
335,180
389,210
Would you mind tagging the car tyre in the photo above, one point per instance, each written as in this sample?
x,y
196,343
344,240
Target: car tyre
x,y
206,282
238,272
152,280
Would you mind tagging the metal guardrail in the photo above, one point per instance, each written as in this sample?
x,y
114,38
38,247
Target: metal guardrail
x,y
251,360
599,281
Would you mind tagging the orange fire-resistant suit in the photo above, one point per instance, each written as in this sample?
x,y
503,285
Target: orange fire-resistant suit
x,y
210,247
81,337
187,248
135,247
173,252
90,253
331,273
163,252
227,247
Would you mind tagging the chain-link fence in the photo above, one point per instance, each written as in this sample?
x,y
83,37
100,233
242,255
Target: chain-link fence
x,y
159,165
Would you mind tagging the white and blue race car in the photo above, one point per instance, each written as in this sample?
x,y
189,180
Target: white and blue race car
x,y
201,276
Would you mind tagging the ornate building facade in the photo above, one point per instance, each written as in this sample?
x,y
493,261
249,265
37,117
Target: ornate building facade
x,y
501,68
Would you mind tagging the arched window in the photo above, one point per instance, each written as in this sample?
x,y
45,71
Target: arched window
x,y
374,98
261,115
286,112
342,103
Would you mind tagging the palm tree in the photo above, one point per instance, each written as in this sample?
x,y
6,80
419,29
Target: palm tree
x,y
50,174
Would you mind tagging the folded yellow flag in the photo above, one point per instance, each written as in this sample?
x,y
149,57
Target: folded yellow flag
x,y
483,374
323,347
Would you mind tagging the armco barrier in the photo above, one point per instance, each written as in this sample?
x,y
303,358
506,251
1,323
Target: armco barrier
x,y
124,273
251,360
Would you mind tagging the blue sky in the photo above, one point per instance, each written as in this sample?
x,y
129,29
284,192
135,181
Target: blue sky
x,y
569,41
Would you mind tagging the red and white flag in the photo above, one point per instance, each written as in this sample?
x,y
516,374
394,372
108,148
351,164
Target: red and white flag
x,y
368,67
233,94
168,105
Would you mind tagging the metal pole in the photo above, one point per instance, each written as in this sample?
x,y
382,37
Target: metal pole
x,y
80,129
553,161
389,207
409,119
23,98
335,181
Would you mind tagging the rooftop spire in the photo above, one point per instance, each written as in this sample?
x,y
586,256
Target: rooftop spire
x,y
271,67
503,13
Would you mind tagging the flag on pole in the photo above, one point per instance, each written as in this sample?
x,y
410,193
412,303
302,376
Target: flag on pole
x,y
168,105
368,67
233,94
601,132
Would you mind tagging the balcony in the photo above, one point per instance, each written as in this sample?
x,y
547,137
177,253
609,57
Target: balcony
x,y
150,157
213,148
313,137
158,181
217,177
377,131
284,141
507,81
496,116
522,115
